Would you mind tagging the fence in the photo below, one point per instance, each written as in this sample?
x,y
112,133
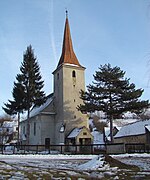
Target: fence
x,y
53,149
120,148
76,149
137,148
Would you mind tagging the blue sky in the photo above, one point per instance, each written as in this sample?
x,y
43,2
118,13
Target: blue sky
x,y
103,31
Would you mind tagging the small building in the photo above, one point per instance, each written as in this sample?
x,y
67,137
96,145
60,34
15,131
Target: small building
x,y
137,132
8,132
79,136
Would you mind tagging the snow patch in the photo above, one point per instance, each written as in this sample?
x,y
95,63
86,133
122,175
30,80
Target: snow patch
x,y
95,163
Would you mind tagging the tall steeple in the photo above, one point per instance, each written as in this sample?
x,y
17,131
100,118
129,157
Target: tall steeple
x,y
68,81
68,56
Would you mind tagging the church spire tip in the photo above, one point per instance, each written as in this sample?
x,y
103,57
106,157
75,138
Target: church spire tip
x,y
66,13
68,56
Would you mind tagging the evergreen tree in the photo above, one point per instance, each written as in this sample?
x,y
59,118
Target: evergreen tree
x,y
16,106
112,94
27,92
30,79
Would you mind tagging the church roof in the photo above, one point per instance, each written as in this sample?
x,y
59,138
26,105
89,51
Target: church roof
x,y
38,110
68,56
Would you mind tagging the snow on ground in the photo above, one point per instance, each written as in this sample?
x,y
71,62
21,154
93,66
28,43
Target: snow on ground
x,y
51,157
140,160
132,155
48,166
70,166
96,162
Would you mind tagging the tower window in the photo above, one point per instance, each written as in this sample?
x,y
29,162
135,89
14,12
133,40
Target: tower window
x,y
73,74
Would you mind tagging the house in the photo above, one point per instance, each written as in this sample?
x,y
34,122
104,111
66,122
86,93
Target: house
x,y
53,122
8,132
80,136
137,132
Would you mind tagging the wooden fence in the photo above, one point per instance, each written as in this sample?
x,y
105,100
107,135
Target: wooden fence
x,y
75,149
137,148
53,149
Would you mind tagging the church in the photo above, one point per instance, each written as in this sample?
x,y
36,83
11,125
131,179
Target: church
x,y
58,121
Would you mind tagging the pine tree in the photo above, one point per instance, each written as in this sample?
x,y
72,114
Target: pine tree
x,y
112,94
16,106
27,92
30,79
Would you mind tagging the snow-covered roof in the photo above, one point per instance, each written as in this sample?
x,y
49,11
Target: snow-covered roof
x,y
37,110
107,130
135,128
98,137
148,128
74,133
10,123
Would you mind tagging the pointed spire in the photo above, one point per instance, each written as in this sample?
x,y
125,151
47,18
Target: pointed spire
x,y
66,13
68,56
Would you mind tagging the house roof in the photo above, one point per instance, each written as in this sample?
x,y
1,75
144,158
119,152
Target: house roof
x,y
107,130
75,132
68,56
148,128
136,128
37,110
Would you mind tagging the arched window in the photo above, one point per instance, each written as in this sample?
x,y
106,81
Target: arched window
x,y
73,74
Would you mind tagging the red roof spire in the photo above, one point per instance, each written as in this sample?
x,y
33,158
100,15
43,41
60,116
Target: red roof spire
x,y
68,56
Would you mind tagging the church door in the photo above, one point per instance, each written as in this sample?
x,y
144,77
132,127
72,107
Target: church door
x,y
47,143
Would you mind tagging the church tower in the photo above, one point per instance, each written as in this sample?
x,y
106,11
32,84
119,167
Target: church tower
x,y
69,79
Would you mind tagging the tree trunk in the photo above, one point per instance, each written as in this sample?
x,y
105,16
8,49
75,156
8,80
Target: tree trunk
x,y
111,129
28,127
18,127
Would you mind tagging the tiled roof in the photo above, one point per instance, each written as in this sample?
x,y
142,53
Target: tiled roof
x,y
68,55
